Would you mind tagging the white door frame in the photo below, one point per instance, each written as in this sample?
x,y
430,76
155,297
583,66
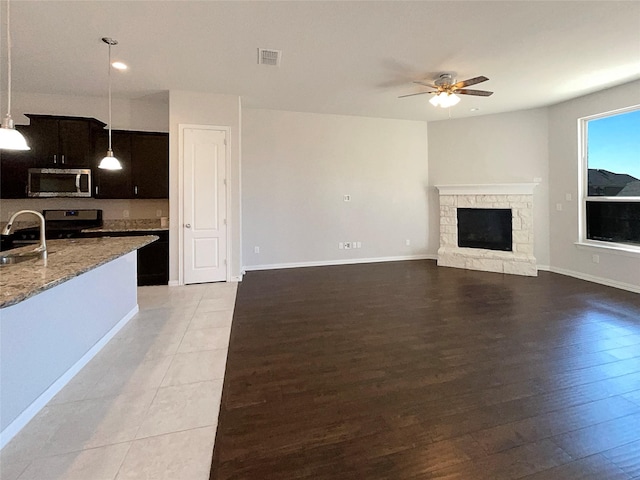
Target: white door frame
x,y
227,130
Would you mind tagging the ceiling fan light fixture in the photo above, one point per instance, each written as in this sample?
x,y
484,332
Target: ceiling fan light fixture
x,y
444,100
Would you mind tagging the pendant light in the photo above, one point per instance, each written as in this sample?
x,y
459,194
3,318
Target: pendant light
x,y
10,138
109,162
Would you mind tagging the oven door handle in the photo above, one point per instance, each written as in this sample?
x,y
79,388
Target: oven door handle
x,y
78,183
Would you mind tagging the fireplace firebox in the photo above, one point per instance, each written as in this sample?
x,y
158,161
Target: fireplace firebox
x,y
488,228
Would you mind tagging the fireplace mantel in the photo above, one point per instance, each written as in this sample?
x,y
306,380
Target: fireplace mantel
x,y
488,189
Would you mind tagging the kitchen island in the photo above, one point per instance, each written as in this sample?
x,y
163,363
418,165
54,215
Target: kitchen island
x,y
56,314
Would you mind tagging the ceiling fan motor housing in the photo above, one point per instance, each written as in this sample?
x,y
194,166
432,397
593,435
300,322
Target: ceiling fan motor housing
x,y
444,80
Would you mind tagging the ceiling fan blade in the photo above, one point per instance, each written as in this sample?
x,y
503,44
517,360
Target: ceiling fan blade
x,y
426,85
480,93
471,81
412,94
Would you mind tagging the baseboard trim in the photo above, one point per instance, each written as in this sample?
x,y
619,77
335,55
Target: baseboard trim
x,y
38,404
327,263
174,283
544,268
591,278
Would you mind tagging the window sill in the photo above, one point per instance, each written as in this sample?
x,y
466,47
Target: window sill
x,y
613,248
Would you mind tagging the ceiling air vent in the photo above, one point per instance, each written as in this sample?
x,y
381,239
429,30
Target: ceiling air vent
x,y
269,57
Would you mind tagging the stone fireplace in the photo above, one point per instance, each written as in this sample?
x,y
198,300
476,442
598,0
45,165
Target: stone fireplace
x,y
518,198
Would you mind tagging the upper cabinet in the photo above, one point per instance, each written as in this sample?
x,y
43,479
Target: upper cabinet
x,y
144,157
74,142
61,142
113,183
150,161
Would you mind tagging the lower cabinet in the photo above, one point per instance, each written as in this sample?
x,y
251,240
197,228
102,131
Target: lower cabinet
x,y
153,259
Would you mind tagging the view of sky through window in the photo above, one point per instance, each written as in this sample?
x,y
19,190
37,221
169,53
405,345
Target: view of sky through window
x,y
613,155
614,143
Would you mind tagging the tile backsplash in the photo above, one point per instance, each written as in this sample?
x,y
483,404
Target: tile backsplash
x,y
111,209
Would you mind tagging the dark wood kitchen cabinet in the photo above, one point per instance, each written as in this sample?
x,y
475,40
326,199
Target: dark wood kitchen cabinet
x,y
113,183
14,166
145,165
153,259
150,161
61,142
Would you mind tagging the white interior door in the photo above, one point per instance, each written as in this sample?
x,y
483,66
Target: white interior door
x,y
204,206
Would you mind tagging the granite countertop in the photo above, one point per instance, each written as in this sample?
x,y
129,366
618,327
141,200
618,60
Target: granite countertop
x,y
140,225
67,259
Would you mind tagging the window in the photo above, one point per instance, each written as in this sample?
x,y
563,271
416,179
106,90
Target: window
x,y
611,191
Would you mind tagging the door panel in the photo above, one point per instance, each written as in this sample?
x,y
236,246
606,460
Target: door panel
x,y
205,230
206,253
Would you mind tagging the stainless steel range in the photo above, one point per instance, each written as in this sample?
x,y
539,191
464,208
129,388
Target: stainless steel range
x,y
59,224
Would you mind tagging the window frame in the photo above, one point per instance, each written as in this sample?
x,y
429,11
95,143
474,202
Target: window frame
x,y
583,185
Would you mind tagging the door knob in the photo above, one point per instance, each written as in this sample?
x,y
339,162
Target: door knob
x,y
188,225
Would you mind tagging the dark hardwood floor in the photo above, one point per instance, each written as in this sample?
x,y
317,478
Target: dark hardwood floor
x,y
409,371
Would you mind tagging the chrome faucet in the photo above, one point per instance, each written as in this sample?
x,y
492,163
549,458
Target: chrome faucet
x,y
42,248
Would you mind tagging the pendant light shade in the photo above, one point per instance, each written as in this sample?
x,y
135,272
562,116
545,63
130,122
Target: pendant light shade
x,y
10,138
110,162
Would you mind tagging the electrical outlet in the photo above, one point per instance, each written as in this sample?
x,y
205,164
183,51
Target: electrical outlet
x,y
359,245
158,213
567,197
347,245
559,207
256,249
407,242
595,258
346,198
341,246
125,214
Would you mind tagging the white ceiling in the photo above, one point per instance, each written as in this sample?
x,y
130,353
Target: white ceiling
x,y
341,57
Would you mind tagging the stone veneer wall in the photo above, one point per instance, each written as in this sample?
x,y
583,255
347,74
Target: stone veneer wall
x,y
520,261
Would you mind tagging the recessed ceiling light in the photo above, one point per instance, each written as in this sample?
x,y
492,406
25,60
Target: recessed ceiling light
x,y
119,66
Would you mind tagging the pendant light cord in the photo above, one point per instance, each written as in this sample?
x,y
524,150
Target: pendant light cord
x,y
8,60
110,96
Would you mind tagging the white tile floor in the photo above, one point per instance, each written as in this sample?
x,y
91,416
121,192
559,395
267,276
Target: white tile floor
x,y
146,407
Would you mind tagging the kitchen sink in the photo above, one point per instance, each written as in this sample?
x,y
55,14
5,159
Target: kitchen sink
x,y
13,258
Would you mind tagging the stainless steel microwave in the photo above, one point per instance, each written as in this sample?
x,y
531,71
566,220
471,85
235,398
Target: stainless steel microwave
x,y
59,182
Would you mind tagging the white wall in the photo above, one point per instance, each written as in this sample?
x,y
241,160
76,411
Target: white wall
x,y
502,148
204,109
296,167
614,268
149,113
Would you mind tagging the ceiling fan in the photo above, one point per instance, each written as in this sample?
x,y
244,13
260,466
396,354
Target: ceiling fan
x,y
445,90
